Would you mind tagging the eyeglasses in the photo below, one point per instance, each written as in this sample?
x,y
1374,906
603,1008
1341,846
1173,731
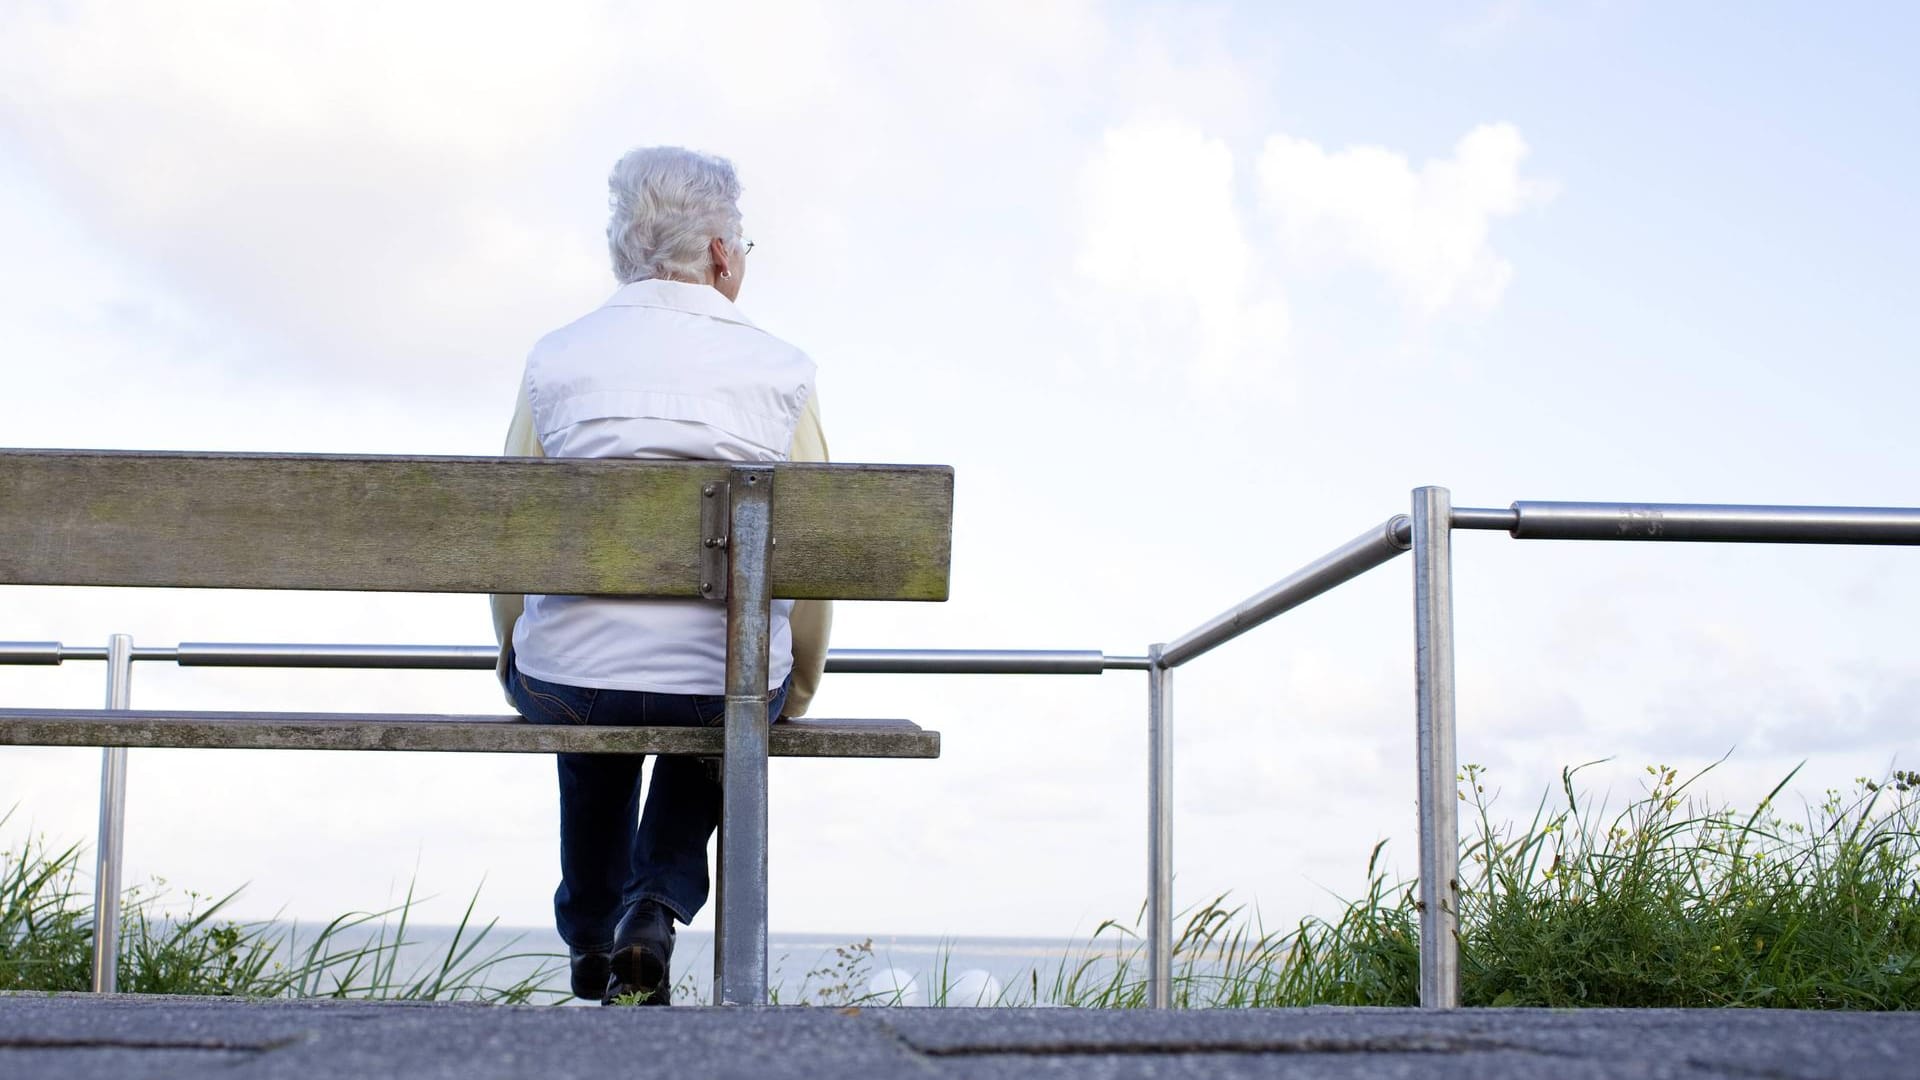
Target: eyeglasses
x,y
749,246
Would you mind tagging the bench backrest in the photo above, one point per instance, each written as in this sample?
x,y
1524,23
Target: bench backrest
x,y
447,524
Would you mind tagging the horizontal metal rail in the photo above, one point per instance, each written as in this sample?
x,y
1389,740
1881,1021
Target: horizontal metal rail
x,y
1716,523
47,652
410,657
979,662
484,657
1467,517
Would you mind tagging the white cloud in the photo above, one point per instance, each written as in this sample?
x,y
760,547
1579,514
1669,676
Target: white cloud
x,y
412,190
1161,234
320,175
1181,283
1425,229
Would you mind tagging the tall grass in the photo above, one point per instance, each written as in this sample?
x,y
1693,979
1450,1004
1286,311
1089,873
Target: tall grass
x,y
46,942
1674,903
1668,901
44,935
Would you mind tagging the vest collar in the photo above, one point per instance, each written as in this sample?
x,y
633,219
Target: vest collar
x,y
680,296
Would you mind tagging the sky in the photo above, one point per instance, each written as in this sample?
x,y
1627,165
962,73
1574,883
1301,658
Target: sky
x,y
1187,295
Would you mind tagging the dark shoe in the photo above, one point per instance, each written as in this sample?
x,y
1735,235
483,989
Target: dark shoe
x,y
590,971
643,954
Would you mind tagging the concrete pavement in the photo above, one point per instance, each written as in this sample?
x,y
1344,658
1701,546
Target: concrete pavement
x,y
80,1037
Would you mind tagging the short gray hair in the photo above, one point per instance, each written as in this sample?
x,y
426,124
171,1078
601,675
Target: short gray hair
x,y
668,204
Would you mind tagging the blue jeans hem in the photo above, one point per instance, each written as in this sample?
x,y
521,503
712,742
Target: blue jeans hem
x,y
672,906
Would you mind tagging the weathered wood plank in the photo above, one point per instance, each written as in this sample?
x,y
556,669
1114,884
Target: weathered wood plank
x,y
886,533
632,528
428,731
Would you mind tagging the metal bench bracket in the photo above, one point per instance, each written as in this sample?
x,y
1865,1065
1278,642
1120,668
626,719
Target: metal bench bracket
x,y
716,502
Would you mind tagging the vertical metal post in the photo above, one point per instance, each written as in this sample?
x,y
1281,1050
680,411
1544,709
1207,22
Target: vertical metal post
x,y
1439,790
1159,830
113,812
742,922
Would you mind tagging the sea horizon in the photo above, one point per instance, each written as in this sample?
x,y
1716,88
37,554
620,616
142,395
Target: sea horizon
x,y
807,967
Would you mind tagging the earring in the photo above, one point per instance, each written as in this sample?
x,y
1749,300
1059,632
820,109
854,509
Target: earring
x,y
726,273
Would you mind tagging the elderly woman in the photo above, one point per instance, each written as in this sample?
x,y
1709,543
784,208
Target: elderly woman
x,y
666,368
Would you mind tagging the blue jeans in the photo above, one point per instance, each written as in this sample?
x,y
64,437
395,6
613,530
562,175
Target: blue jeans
x,y
607,862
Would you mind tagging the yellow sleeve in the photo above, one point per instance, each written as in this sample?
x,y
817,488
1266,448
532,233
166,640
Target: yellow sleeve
x,y
521,442
811,620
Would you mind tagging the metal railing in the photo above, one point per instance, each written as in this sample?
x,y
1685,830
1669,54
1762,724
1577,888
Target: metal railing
x,y
120,653
1426,532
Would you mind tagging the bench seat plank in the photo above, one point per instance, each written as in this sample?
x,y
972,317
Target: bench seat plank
x,y
430,731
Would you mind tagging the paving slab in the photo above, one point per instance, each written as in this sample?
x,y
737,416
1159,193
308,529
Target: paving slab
x,y
83,1037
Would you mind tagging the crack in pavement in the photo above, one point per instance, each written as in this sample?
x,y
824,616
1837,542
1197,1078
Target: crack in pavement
x,y
1306,1045
56,1042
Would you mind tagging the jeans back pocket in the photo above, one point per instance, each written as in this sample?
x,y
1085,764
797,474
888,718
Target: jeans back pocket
x,y
552,703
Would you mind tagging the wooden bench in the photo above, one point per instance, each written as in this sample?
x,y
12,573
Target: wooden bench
x,y
734,533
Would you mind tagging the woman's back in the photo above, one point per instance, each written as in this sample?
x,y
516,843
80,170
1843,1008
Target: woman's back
x,y
665,369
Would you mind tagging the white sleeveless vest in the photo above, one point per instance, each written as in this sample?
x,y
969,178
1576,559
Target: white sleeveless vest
x,y
665,369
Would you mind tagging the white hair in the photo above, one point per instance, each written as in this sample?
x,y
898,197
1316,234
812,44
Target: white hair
x,y
668,204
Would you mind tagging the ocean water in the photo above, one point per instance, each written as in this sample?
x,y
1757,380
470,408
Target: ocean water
x,y
820,969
